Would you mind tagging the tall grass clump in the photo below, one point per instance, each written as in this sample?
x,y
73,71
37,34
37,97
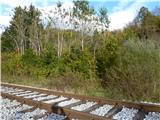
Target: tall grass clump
x,y
136,71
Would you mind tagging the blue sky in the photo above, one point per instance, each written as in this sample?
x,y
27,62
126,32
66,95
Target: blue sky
x,y
120,12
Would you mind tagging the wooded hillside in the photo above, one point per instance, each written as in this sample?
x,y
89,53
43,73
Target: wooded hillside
x,y
73,50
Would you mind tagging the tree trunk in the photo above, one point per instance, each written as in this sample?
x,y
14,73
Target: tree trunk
x,y
17,46
82,42
61,44
70,43
58,47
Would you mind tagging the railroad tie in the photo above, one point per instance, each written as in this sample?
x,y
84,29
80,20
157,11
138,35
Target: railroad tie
x,y
47,99
56,103
51,104
113,111
88,110
74,104
140,115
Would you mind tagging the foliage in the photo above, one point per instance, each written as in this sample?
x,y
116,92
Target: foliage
x,y
82,58
11,64
7,44
137,63
79,61
105,57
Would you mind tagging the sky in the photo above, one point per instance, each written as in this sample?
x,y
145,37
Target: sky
x,y
120,12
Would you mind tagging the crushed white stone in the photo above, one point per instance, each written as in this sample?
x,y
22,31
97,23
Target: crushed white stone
x,y
55,100
53,117
101,111
8,112
29,115
83,106
44,98
152,116
125,114
33,96
13,113
27,94
18,93
68,102
6,90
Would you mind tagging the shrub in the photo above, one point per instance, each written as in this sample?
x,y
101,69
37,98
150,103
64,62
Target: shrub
x,y
105,57
136,72
31,63
79,61
11,64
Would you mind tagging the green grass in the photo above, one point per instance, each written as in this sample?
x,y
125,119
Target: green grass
x,y
110,93
52,84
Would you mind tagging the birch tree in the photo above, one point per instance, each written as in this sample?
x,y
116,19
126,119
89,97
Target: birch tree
x,y
82,11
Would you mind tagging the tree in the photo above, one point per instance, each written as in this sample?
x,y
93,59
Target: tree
x,y
19,28
142,14
7,43
23,29
34,30
82,11
104,18
147,23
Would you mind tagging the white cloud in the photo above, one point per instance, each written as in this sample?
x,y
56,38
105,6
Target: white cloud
x,y
48,8
121,14
122,17
4,21
44,7
121,5
13,3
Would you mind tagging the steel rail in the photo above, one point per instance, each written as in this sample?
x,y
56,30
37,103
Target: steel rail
x,y
84,115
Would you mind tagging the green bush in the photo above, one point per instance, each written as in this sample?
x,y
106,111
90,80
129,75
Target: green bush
x,y
130,70
32,63
49,57
78,61
11,64
105,57
30,58
136,72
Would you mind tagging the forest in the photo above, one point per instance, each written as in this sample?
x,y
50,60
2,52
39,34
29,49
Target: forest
x,y
74,51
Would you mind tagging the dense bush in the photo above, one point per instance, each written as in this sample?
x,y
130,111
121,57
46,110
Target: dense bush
x,y
79,61
106,57
48,65
11,64
130,70
136,72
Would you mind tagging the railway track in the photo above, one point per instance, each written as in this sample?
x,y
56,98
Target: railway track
x,y
76,106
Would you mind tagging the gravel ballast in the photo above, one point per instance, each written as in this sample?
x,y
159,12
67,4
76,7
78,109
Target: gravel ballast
x,y
53,117
55,100
101,111
27,94
68,102
152,116
18,93
44,98
33,96
125,114
9,112
83,106
10,109
29,115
